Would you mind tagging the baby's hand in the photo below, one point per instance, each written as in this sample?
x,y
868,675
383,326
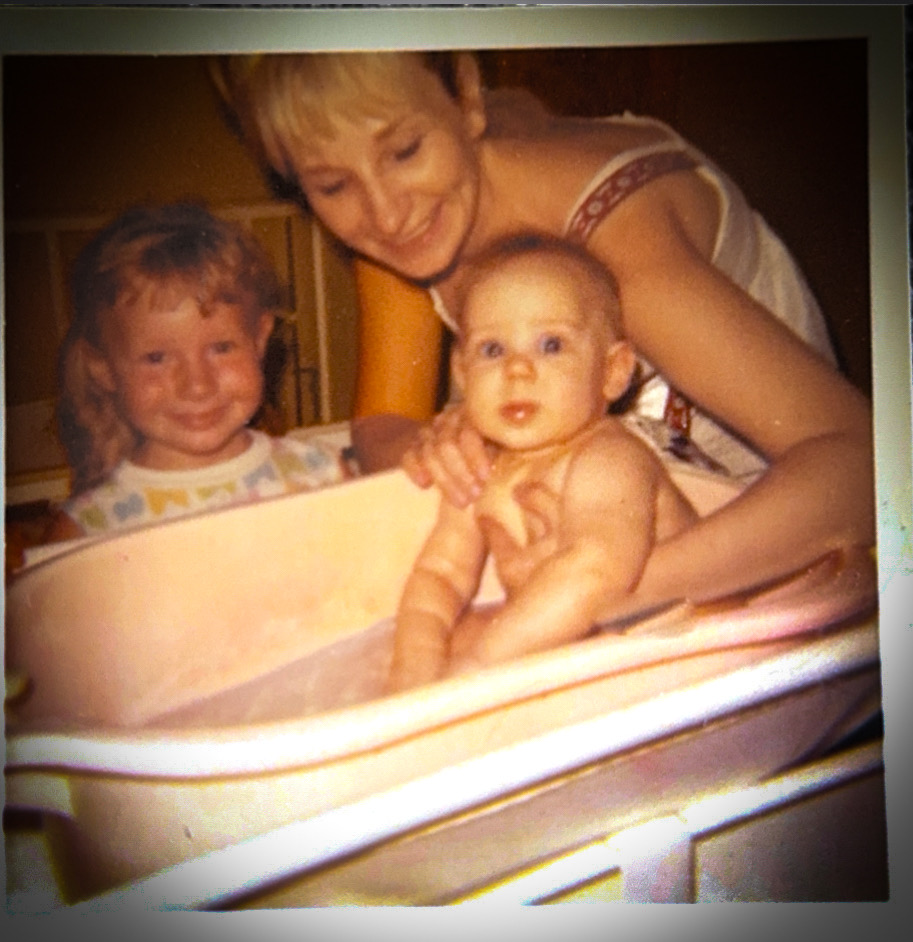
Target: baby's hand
x,y
542,508
541,512
450,453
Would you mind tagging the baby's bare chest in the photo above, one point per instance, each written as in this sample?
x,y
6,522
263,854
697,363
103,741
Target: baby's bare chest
x,y
502,501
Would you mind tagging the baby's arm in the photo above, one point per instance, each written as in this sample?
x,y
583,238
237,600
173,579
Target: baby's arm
x,y
605,535
443,582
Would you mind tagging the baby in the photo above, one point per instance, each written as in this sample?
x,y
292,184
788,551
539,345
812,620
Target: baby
x,y
538,357
161,376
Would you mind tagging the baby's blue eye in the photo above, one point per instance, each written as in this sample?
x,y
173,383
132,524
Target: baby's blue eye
x,y
223,346
551,344
491,349
154,357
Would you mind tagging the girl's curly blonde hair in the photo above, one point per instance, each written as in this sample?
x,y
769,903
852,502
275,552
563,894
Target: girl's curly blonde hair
x,y
149,256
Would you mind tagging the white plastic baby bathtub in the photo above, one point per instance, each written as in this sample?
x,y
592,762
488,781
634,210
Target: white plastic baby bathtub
x,y
208,681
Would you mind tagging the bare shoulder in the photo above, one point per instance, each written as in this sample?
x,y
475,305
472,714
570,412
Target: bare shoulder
x,y
610,437
571,153
614,470
568,152
606,136
610,453
581,145
677,209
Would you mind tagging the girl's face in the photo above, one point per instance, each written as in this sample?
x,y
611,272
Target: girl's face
x,y
534,365
400,184
187,384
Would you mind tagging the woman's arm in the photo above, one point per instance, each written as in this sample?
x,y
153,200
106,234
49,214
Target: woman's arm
x,y
731,356
398,365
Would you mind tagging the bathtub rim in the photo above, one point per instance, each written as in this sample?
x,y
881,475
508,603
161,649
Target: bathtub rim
x,y
793,663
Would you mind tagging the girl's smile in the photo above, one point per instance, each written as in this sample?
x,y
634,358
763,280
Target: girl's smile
x,y
186,381
198,421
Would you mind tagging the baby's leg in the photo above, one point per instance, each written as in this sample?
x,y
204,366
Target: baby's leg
x,y
470,627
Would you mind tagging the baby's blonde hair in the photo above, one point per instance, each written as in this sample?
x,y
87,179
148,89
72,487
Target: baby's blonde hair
x,y
595,282
147,257
277,102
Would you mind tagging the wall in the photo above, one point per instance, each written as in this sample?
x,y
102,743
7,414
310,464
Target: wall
x,y
91,135
88,136
787,121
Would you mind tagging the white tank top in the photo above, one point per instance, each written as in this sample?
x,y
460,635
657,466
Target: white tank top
x,y
745,249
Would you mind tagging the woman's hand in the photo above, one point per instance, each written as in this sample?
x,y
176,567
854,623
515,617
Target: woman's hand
x,y
451,454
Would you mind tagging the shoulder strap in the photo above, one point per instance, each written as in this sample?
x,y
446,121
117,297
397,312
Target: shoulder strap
x,y
594,208
610,191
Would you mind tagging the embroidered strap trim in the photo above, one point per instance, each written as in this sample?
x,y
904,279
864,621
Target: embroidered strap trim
x,y
677,414
622,183
594,209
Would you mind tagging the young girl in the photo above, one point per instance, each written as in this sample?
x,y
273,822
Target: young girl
x,y
409,162
161,375
538,357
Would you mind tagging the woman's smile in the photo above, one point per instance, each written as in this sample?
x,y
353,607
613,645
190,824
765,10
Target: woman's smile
x,y
426,242
413,241
399,186
424,233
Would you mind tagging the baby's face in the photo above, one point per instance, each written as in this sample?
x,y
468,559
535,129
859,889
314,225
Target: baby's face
x,y
533,362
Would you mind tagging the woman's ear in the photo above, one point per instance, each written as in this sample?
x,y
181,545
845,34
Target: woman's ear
x,y
620,361
98,367
472,99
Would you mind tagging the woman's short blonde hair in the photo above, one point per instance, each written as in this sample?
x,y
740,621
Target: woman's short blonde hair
x,y
277,102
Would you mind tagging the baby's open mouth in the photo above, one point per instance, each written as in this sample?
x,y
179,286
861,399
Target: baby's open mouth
x,y
518,412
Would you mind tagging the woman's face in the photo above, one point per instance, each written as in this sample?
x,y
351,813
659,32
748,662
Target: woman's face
x,y
399,184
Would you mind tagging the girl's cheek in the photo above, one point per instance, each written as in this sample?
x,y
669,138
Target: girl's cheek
x,y
137,403
246,374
